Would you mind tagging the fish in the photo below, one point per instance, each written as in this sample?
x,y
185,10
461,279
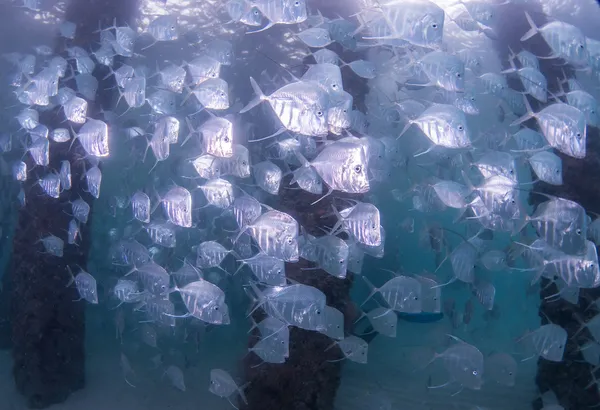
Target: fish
x,y
353,348
501,368
401,293
305,112
223,385
86,286
464,364
276,234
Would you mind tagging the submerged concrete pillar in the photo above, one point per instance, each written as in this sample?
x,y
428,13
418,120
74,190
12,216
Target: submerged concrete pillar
x,y
47,326
569,378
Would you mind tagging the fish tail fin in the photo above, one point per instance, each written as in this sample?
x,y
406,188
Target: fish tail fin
x,y
372,288
258,299
581,322
241,391
529,115
532,31
71,277
259,97
303,161
406,127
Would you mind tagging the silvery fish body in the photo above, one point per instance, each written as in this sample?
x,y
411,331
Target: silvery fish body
x,y
220,50
162,234
297,305
86,286
127,291
586,103
402,294
282,11
206,302
94,178
213,94
267,269
444,70
154,278
246,209
60,135
268,176
464,364
168,128
203,68
547,167
210,254
343,167
562,224
177,205
218,192
362,222
73,232
332,255
238,164
93,136
418,22
565,40
300,106
445,125
164,28
19,171
53,245
276,234
217,137
140,205
51,185
162,102
81,210
207,166
223,385
76,110
173,78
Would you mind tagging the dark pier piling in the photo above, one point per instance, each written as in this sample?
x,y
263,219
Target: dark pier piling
x,y
47,326
569,378
306,381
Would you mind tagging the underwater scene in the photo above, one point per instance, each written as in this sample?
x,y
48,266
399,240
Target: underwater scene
x,y
299,204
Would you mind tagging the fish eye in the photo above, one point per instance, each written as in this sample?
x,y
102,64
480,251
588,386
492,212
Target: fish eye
x,y
289,241
297,3
578,135
578,232
216,308
318,312
357,169
319,113
458,75
243,162
256,12
226,139
475,372
434,25
341,261
460,128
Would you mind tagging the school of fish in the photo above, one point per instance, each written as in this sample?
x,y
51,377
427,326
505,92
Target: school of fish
x,y
413,131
